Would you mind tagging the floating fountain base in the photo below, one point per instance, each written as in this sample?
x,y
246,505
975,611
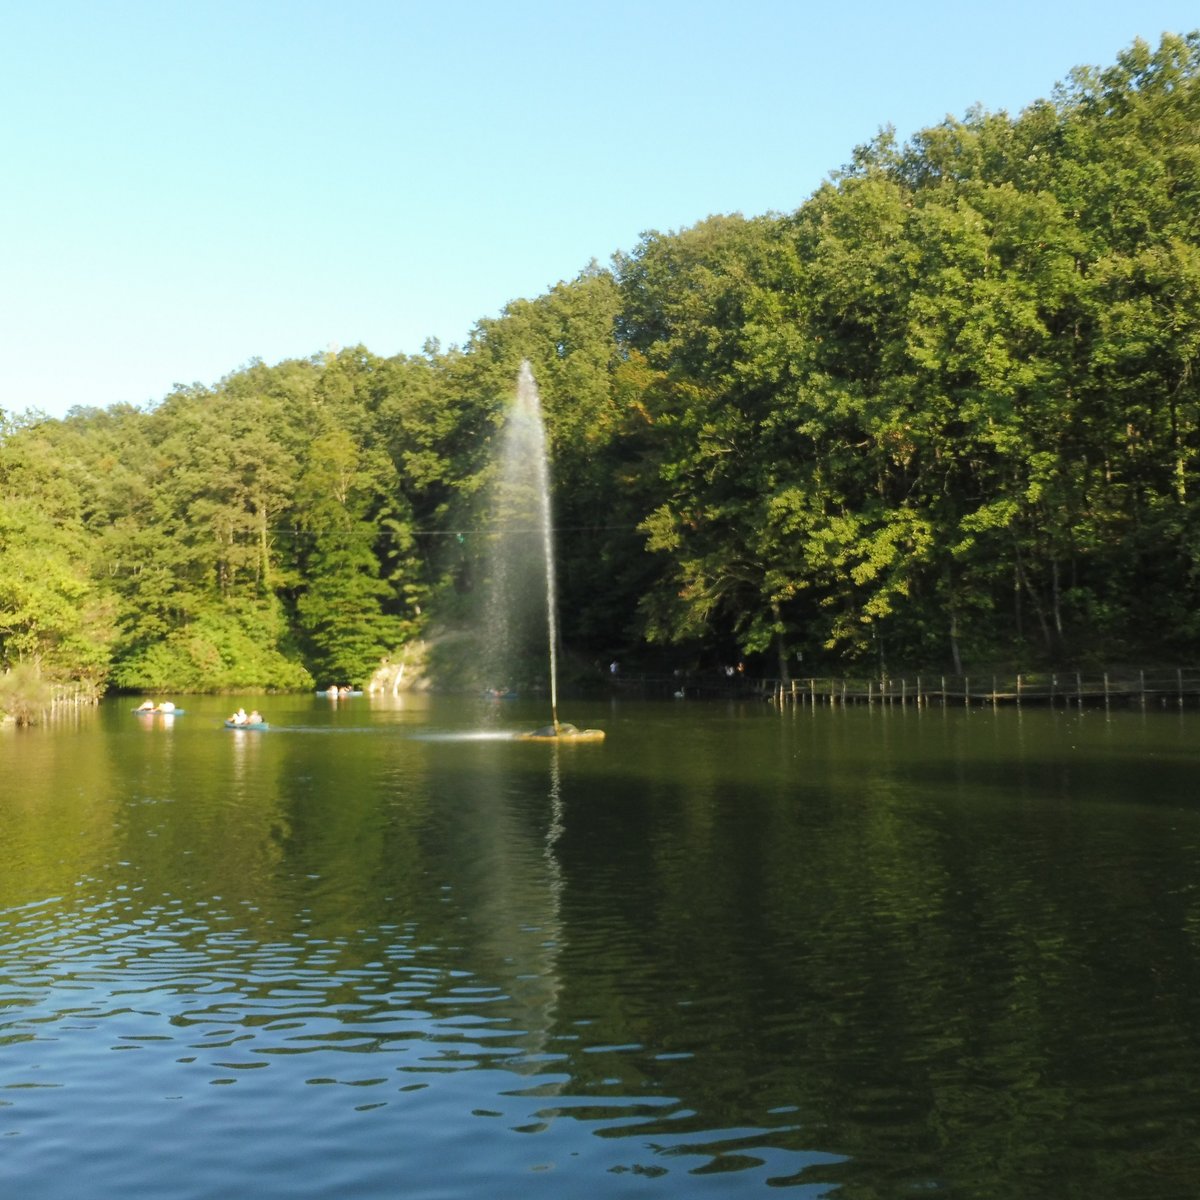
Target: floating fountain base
x,y
562,733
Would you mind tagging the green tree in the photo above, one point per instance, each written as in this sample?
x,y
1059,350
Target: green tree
x,y
344,605
55,615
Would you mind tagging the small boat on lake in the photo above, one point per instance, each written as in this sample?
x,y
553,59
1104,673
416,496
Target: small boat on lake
x,y
245,720
158,712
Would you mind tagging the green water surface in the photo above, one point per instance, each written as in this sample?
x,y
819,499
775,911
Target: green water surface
x,y
381,950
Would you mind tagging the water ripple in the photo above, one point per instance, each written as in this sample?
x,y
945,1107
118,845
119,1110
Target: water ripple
x,y
381,967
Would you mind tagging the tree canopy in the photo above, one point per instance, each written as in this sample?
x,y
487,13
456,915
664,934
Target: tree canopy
x,y
943,413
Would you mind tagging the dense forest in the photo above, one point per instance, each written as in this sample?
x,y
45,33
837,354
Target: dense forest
x,y
946,413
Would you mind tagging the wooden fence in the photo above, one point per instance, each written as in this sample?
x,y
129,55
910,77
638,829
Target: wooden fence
x,y
1157,686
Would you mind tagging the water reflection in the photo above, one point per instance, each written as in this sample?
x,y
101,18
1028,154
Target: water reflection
x,y
855,954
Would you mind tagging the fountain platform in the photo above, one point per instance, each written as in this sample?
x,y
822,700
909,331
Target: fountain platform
x,y
562,733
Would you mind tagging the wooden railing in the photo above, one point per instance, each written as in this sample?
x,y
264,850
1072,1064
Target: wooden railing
x,y
1158,686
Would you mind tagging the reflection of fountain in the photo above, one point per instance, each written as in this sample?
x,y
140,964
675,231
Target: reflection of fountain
x,y
506,882
555,829
524,551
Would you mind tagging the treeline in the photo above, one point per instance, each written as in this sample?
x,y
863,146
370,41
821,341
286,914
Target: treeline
x,y
946,412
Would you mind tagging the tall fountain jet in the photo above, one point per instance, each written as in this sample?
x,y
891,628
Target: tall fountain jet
x,y
524,496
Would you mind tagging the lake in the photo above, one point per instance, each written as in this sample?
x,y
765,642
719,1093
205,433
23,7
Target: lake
x,y
380,950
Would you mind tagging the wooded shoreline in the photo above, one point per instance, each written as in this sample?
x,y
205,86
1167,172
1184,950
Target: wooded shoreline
x,y
947,411
1156,687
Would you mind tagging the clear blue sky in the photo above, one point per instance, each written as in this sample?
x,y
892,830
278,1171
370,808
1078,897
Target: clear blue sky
x,y
189,184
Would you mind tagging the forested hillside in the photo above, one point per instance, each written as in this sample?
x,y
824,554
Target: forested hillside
x,y
944,413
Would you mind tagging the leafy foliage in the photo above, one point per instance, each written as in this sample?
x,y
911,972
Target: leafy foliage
x,y
945,412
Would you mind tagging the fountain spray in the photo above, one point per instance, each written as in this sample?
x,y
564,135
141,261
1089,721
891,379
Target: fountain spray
x,y
529,413
527,441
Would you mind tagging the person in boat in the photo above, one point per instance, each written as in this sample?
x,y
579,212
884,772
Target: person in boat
x,y
146,706
255,717
167,706
239,717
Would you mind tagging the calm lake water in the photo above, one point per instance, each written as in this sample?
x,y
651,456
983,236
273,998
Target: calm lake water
x,y
380,951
